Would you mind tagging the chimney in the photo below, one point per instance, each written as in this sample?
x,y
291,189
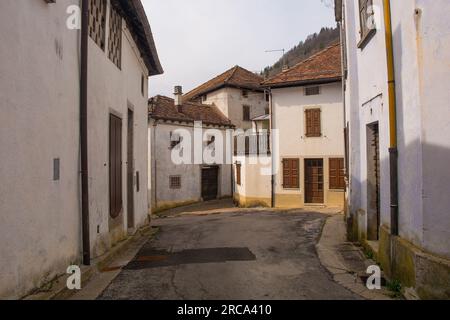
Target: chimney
x,y
178,97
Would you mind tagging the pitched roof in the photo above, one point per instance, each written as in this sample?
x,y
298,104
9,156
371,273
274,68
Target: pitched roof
x,y
163,108
237,77
324,66
134,13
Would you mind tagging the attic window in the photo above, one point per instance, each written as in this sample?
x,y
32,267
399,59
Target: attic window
x,y
204,97
245,93
312,91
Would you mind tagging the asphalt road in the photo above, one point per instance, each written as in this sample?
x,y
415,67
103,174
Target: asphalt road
x,y
228,256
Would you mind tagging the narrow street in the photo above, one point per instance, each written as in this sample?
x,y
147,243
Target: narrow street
x,y
237,254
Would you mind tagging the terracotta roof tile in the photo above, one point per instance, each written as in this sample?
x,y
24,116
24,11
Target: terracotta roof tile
x,y
234,77
322,66
164,108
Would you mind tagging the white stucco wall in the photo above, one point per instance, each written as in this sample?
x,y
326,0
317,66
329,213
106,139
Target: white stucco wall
x,y
39,94
113,91
39,79
289,105
421,44
231,102
163,167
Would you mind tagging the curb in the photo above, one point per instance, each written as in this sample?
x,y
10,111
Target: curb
x,y
57,287
329,251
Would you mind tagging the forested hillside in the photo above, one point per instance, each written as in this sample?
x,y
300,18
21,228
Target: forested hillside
x,y
313,43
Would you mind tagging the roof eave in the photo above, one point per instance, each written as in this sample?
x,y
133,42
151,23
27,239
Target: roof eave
x,y
302,82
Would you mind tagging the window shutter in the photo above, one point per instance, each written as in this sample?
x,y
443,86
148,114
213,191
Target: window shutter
x,y
291,173
337,172
238,173
313,125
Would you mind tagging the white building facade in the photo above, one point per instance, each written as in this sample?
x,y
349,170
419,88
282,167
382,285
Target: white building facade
x,y
404,217
41,221
190,152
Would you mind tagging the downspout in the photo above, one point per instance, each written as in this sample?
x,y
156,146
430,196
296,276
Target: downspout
x,y
272,182
393,151
84,133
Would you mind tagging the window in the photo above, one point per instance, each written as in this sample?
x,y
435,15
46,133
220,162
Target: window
x,y
366,20
312,91
291,173
115,37
115,166
245,93
175,139
267,97
313,125
246,113
97,21
175,182
238,174
204,97
337,173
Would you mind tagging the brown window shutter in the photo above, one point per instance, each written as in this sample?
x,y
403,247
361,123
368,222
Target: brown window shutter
x,y
313,125
337,172
291,173
238,173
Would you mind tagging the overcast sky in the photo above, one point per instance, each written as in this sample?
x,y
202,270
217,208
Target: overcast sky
x,y
199,39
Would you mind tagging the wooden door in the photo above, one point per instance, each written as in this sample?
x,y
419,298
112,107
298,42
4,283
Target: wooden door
x,y
115,166
130,170
314,185
210,183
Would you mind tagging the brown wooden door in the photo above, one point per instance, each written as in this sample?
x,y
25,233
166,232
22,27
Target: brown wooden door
x,y
115,166
130,170
210,183
314,185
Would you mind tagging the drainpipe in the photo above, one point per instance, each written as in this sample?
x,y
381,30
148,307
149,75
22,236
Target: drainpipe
x,y
84,133
272,182
393,151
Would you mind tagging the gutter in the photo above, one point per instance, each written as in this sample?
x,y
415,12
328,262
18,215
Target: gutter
x,y
393,150
84,134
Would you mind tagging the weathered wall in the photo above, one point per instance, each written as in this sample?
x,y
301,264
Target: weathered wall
x,y
289,105
255,188
163,167
230,101
40,220
421,126
421,44
39,94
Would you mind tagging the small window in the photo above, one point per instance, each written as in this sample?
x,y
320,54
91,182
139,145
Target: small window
x,y
246,113
238,174
312,91
337,174
175,139
313,125
366,18
291,173
97,22
245,93
175,182
204,97
267,97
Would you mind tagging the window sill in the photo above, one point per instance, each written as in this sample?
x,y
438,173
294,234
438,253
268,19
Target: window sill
x,y
313,136
366,39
